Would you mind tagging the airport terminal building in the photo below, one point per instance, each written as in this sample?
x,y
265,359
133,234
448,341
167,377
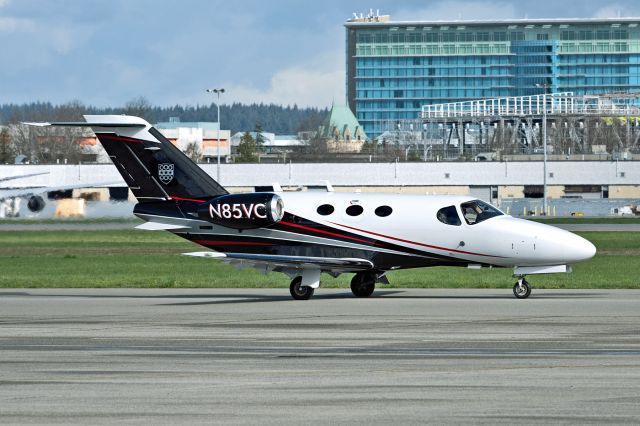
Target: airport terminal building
x,y
394,68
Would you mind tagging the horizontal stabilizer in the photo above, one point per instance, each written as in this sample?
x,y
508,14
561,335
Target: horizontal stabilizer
x,y
151,166
85,124
158,226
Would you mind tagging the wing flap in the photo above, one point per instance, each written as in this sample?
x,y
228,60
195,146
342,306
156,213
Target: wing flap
x,y
273,261
158,226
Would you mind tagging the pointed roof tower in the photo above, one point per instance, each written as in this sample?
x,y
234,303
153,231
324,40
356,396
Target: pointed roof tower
x,y
341,118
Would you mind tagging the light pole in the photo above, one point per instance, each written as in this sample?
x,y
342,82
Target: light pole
x,y
544,144
217,91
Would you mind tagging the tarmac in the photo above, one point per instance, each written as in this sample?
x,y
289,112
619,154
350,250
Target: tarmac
x,y
254,356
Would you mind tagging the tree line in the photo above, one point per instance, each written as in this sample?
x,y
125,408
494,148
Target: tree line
x,y
61,142
278,119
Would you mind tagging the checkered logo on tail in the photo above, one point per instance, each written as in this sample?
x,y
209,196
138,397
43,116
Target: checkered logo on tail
x,y
165,172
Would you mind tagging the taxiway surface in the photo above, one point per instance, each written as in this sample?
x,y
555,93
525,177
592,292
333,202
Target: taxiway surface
x,y
255,356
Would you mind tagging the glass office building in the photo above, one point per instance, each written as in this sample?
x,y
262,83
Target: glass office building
x,y
393,68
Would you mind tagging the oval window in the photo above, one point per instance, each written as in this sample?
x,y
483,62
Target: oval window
x,y
325,209
449,216
354,210
384,211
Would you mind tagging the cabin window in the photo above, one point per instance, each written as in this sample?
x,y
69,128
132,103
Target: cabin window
x,y
325,210
383,211
449,216
478,211
355,210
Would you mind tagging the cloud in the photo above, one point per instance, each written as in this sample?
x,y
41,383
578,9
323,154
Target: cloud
x,y
4,2
459,10
610,11
9,24
317,82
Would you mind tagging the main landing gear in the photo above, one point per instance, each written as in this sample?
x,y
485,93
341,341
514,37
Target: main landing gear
x,y
521,289
298,291
363,284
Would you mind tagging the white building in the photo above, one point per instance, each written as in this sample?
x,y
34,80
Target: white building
x,y
272,143
208,138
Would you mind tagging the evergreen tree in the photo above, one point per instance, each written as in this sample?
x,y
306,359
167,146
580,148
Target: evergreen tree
x,y
247,149
236,117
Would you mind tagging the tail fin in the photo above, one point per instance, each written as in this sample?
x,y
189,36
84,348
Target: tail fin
x,y
152,167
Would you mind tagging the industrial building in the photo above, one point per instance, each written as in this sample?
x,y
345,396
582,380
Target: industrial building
x,y
207,138
396,68
591,187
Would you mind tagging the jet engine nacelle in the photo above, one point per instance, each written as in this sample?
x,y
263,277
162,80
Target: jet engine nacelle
x,y
35,204
243,211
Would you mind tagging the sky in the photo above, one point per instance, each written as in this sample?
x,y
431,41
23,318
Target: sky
x,y
107,52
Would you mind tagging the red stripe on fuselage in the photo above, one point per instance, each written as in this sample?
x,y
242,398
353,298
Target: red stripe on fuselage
x,y
118,138
186,199
415,242
319,231
231,243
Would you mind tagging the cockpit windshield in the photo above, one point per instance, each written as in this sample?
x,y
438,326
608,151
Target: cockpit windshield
x,y
477,211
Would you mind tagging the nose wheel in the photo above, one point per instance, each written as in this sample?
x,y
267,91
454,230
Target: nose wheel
x,y
521,289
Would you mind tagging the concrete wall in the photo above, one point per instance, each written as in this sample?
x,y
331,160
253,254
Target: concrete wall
x,y
623,176
624,191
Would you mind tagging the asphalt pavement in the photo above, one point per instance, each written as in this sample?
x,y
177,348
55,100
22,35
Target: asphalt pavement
x,y
254,356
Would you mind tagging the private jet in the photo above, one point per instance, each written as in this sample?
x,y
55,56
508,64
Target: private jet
x,y
303,234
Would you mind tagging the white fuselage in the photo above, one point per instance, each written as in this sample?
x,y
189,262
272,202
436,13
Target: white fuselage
x,y
500,241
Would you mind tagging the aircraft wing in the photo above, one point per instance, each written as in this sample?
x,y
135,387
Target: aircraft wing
x,y
268,262
26,192
5,179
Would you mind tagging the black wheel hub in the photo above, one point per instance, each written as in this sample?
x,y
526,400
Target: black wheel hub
x,y
363,285
298,291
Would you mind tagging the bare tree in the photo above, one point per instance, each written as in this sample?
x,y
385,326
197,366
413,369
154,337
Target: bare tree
x,y
139,107
50,144
7,153
24,141
193,152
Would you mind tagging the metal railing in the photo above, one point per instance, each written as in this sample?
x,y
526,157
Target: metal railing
x,y
564,103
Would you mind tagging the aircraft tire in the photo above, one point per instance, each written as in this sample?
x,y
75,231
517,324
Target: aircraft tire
x,y
299,292
522,292
363,284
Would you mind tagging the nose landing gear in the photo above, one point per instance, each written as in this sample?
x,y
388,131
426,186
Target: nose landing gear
x,y
521,289
298,291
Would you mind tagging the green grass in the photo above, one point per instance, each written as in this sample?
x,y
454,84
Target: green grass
x,y
98,220
589,220
131,258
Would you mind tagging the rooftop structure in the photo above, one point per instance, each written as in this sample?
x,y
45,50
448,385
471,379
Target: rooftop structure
x,y
342,123
341,132
564,104
604,127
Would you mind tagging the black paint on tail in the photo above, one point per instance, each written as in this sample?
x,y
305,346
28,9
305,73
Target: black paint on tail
x,y
158,171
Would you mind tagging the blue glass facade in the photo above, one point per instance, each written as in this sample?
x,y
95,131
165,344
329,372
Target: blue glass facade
x,y
394,68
